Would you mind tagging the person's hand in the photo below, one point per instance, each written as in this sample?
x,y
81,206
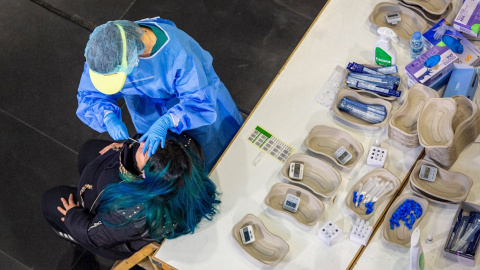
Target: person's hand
x,y
113,146
156,134
115,127
67,205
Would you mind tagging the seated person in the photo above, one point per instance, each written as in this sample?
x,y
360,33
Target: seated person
x,y
125,199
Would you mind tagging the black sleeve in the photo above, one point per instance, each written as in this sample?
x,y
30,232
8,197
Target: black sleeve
x,y
90,230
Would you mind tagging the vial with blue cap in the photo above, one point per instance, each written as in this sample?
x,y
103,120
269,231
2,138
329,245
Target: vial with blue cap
x,y
416,45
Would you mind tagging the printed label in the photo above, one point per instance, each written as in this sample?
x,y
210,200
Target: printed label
x,y
382,58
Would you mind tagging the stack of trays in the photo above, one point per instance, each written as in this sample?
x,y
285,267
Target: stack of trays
x,y
402,126
446,126
448,187
432,10
409,24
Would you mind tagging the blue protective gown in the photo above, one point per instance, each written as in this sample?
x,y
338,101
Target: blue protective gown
x,y
178,79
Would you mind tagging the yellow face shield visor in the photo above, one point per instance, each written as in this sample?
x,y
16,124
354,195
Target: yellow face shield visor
x,y
112,83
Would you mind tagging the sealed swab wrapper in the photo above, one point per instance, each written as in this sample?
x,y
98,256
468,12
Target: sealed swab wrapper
x,y
355,67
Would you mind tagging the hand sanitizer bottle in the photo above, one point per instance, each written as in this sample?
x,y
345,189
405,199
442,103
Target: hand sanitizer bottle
x,y
416,45
385,54
417,261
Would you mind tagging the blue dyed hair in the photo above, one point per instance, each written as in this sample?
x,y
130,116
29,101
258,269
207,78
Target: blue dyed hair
x,y
174,196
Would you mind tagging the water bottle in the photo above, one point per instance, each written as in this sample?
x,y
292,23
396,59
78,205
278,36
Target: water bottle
x,y
416,45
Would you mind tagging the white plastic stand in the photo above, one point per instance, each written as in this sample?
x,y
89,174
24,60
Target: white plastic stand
x,y
361,232
329,233
377,157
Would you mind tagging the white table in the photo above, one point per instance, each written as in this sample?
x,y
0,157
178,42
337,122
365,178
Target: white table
x,y
340,34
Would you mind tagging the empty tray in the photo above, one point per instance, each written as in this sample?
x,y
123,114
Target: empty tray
x,y
435,122
268,248
448,186
401,235
360,210
402,126
325,140
432,18
310,209
318,176
409,24
436,7
420,193
353,95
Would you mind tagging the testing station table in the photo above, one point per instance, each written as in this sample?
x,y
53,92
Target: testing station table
x,y
341,33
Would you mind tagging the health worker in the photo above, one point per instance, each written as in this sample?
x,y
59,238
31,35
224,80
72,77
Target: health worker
x,y
167,81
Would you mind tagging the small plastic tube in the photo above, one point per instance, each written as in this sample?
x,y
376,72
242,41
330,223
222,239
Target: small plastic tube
x,y
387,70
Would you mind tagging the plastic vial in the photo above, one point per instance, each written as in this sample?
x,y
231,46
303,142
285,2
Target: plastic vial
x,y
416,45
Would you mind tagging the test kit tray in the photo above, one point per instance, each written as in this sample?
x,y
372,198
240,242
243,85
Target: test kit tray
x,y
360,211
432,18
325,140
267,248
438,7
401,235
318,176
448,186
402,126
310,209
409,24
357,122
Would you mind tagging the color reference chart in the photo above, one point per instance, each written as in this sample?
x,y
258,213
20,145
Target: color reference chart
x,y
270,144
327,94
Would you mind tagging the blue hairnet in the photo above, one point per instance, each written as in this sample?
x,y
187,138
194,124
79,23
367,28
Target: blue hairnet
x,y
104,48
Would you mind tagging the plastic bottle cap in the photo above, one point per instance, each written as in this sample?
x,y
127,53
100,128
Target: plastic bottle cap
x,y
417,35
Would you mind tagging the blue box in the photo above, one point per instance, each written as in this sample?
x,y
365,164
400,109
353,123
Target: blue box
x,y
466,52
463,81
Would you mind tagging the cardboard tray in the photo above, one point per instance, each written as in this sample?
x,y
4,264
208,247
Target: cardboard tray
x,y
325,140
268,248
309,211
318,176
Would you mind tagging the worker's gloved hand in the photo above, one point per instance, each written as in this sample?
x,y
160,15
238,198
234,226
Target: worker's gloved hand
x,y
156,134
115,127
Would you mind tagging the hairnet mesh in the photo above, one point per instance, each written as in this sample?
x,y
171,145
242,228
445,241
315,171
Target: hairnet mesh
x,y
105,47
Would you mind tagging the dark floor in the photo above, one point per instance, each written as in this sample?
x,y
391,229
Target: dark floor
x,y
42,59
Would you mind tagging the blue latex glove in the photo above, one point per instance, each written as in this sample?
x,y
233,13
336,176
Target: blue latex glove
x,y
115,127
156,134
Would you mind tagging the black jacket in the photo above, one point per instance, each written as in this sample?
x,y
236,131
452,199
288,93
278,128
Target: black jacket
x,y
84,223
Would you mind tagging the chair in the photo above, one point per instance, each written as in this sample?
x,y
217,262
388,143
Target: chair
x,y
143,258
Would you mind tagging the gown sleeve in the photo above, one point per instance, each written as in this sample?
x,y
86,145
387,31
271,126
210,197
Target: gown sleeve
x,y
92,104
197,94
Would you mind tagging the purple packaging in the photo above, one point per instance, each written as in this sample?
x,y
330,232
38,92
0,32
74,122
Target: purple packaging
x,y
430,66
442,34
468,18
